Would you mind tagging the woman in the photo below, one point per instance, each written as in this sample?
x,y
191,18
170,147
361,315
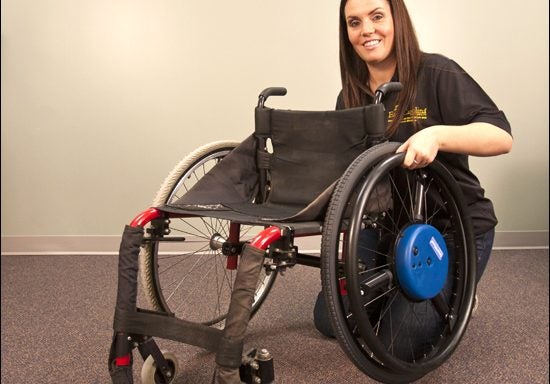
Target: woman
x,y
441,110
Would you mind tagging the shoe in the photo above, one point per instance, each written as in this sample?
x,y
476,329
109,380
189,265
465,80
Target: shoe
x,y
476,304
320,316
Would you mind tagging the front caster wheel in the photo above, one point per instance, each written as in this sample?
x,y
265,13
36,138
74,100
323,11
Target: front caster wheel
x,y
151,375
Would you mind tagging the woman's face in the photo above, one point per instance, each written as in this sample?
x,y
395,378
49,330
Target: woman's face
x,y
370,30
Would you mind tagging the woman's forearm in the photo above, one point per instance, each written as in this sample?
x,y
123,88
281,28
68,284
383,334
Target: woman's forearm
x,y
475,139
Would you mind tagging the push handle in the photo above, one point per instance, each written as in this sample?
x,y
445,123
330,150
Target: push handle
x,y
386,89
271,91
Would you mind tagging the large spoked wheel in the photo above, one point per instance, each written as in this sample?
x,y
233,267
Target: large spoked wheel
x,y
398,277
187,274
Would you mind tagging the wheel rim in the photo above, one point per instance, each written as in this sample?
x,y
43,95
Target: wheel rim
x,y
400,332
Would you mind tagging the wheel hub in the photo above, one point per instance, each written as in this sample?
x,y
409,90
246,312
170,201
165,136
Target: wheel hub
x,y
421,261
216,242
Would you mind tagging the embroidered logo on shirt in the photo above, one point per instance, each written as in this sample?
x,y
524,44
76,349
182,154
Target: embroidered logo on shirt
x,y
412,115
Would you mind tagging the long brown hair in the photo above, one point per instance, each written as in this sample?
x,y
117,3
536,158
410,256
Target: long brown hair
x,y
354,71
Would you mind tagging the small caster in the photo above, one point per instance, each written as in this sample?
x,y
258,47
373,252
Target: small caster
x,y
151,375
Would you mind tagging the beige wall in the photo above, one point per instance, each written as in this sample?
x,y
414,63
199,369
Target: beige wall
x,y
101,98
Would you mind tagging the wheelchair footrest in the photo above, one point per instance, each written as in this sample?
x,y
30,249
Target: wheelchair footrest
x,y
257,367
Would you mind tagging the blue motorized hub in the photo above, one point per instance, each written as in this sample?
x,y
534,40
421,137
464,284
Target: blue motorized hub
x,y
421,261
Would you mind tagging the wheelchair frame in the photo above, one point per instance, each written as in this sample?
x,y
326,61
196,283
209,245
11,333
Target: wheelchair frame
x,y
361,338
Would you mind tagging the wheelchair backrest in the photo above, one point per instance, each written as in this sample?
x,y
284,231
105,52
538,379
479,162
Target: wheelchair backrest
x,y
311,149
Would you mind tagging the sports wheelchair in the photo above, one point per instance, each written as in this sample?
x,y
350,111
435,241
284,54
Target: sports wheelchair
x,y
223,226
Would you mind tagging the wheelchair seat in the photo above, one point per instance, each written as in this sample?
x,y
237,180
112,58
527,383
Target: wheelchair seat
x,y
293,180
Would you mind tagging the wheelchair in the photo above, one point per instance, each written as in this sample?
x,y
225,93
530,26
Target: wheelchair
x,y
223,227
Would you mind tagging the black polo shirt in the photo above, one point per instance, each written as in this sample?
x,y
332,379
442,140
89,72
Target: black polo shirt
x,y
447,95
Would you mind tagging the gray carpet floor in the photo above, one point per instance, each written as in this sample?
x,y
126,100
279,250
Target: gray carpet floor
x,y
57,324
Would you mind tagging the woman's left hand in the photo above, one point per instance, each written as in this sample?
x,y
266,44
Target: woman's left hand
x,y
421,149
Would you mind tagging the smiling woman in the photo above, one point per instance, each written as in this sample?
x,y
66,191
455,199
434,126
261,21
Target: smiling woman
x,y
371,33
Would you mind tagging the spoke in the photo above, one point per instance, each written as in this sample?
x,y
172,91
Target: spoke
x,y
377,268
194,289
185,256
185,186
259,288
207,224
427,188
399,329
383,312
228,279
217,310
375,251
222,227
377,196
393,231
427,318
410,214
402,198
196,177
379,297
195,265
245,231
198,233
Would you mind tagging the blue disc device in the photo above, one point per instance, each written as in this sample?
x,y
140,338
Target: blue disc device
x,y
421,261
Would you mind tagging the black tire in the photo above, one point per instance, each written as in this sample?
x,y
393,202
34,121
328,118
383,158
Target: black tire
x,y
189,278
365,327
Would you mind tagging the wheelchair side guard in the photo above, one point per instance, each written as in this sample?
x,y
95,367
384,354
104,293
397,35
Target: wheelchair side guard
x,y
421,261
227,359
133,327
127,314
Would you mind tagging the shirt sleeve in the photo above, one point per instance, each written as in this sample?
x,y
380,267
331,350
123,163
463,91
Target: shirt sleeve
x,y
462,101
